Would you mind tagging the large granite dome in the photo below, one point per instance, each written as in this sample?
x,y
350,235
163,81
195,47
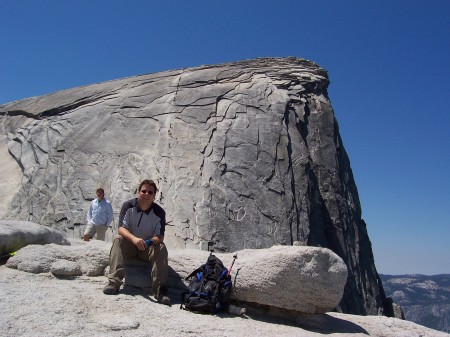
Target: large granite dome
x,y
245,154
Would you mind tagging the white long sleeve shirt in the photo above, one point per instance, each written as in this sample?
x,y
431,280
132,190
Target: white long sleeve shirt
x,y
100,213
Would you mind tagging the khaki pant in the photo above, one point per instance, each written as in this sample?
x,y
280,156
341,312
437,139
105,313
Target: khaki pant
x,y
123,249
92,229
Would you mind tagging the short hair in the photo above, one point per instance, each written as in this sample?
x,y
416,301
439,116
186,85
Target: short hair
x,y
148,182
100,190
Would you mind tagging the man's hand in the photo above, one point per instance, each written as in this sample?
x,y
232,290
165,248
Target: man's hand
x,y
139,243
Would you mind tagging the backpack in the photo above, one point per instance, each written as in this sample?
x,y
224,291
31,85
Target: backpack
x,y
209,288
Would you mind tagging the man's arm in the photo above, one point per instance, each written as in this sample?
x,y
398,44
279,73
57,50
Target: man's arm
x,y
127,235
138,242
157,239
124,232
125,207
159,211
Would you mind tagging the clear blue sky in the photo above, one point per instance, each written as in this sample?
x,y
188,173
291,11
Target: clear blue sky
x,y
388,62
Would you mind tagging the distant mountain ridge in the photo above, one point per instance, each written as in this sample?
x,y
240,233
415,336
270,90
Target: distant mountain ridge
x,y
424,299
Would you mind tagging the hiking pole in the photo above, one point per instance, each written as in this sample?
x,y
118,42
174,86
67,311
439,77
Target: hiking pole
x,y
235,276
232,263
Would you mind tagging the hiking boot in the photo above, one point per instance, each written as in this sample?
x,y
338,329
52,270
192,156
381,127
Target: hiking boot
x,y
162,297
111,289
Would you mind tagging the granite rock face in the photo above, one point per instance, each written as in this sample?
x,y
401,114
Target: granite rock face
x,y
245,154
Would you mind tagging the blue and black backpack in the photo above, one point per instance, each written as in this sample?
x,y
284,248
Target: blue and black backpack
x,y
209,288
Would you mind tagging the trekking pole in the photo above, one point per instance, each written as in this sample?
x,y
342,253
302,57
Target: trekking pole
x,y
232,263
235,276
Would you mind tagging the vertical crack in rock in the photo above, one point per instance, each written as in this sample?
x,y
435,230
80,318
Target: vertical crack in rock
x,y
295,204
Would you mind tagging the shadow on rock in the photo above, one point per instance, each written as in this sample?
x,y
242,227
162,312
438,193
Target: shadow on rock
x,y
326,324
318,323
135,291
146,293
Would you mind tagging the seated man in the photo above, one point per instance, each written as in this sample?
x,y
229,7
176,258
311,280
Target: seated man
x,y
143,220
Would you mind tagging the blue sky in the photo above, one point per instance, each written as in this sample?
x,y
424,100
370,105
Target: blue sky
x,y
388,62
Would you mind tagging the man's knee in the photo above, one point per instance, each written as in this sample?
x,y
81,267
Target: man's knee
x,y
89,232
117,239
159,254
127,248
116,247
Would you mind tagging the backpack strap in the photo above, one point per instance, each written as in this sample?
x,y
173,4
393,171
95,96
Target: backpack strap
x,y
199,269
190,292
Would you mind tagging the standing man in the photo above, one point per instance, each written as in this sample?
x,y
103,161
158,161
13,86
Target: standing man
x,y
141,236
99,217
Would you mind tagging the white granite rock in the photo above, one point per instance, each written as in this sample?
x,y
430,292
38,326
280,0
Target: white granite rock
x,y
17,234
80,258
304,279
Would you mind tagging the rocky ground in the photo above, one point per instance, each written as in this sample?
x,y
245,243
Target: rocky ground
x,y
43,305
